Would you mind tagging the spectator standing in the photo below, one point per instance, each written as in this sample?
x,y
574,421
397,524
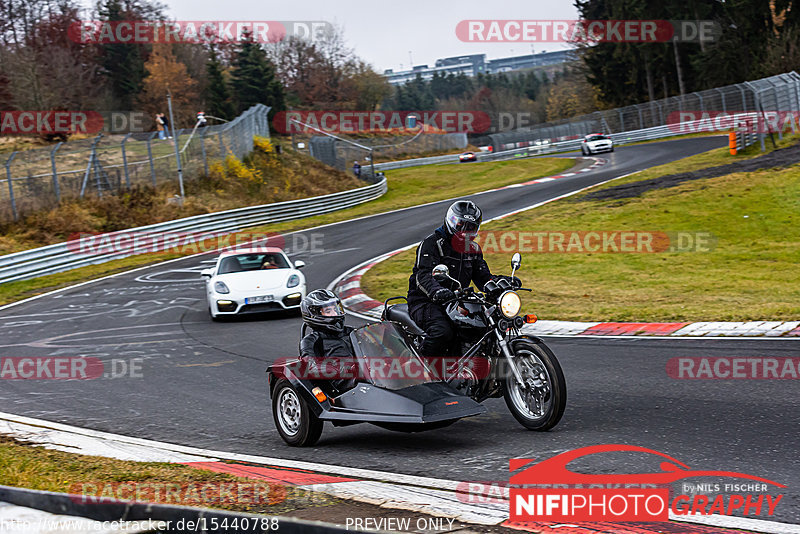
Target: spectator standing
x,y
160,126
166,126
357,169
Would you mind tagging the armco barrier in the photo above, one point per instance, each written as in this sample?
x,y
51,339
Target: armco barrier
x,y
57,258
622,138
108,510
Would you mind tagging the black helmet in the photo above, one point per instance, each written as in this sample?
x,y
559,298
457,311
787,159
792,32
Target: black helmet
x,y
463,218
322,309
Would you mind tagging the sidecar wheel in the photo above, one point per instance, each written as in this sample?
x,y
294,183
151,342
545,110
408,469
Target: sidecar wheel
x,y
295,422
540,405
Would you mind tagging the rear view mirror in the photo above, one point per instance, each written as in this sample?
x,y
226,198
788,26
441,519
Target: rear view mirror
x,y
441,271
299,264
207,273
516,261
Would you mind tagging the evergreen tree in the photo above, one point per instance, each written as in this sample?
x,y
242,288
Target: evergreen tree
x,y
6,98
254,80
123,63
218,96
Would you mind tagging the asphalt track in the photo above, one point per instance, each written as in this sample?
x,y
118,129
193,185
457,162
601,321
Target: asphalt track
x,y
203,384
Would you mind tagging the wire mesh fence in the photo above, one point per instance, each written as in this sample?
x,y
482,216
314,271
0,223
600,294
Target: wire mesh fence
x,y
108,164
779,93
341,154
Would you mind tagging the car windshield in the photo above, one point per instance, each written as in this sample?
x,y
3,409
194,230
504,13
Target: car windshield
x,y
597,138
386,360
252,262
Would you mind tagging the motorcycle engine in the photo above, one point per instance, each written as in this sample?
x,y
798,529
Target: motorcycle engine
x,y
467,380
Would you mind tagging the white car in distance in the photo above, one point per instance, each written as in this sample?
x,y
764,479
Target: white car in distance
x,y
253,281
594,143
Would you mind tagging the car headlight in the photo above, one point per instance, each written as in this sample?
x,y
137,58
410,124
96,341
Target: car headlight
x,y
510,304
293,281
220,287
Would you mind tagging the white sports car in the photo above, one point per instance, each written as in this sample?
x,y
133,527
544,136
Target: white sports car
x,y
252,282
594,143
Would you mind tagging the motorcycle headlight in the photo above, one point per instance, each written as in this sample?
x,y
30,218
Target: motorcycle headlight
x,y
220,287
510,304
293,281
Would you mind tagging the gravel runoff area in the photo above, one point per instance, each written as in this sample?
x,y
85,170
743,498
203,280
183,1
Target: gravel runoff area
x,y
783,157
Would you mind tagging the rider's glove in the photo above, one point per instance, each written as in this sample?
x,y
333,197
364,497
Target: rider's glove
x,y
442,295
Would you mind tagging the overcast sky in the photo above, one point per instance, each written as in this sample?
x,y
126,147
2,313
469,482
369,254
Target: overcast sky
x,y
384,32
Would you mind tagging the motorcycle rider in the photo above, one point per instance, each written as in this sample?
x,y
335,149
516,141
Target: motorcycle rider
x,y
328,342
453,245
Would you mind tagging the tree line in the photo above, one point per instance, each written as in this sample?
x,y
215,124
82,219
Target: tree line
x,y
758,38
43,68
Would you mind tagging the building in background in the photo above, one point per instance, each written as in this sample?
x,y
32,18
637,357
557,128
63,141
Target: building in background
x,y
474,64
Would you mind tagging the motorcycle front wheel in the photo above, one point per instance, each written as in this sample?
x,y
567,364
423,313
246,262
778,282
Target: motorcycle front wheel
x,y
539,403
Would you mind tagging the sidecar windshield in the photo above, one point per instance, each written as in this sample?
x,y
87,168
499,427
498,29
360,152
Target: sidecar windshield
x,y
386,360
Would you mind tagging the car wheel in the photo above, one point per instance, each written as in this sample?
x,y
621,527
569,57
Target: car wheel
x,y
295,422
583,150
612,149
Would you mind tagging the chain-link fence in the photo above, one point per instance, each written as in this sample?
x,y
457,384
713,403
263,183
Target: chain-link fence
x,y
779,93
41,178
341,154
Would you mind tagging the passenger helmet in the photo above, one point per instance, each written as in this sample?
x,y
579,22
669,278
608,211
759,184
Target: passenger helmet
x,y
463,219
322,309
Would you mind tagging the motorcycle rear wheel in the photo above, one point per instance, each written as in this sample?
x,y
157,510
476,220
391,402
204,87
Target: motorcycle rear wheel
x,y
540,404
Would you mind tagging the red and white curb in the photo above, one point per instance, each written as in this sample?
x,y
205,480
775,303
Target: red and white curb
x,y
596,162
432,496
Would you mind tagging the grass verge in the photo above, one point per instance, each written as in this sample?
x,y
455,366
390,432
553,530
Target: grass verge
x,y
747,271
26,466
407,187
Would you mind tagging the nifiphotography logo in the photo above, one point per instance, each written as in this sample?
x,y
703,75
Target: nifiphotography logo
x,y
564,495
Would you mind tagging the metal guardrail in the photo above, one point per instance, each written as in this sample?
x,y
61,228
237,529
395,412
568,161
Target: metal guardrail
x,y
622,138
64,256
402,164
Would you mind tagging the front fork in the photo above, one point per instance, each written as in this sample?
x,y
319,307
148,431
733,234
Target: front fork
x,y
501,340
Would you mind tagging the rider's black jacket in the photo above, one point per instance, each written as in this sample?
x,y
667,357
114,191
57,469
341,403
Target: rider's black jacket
x,y
324,344
330,354
438,248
